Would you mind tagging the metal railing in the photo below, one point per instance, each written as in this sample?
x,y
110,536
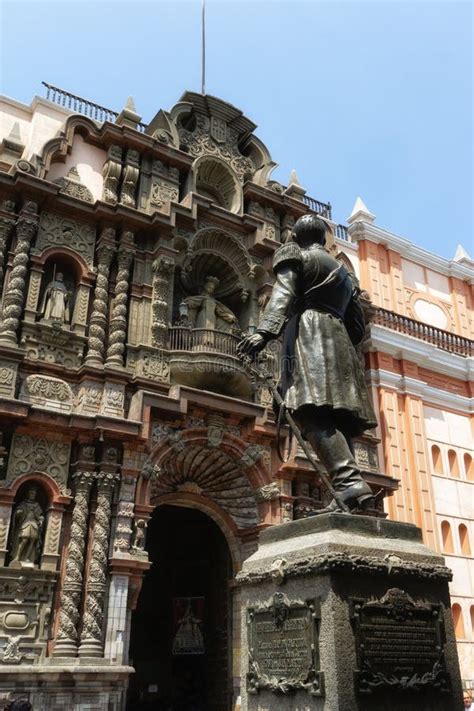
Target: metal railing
x,y
342,233
445,340
203,340
79,105
320,208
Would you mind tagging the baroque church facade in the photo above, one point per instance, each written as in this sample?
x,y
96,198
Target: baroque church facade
x,y
138,455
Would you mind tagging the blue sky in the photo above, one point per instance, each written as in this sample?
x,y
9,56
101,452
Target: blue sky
x,y
361,98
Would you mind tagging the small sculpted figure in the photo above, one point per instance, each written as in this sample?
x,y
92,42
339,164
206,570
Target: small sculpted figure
x,y
139,535
206,312
322,383
55,304
27,529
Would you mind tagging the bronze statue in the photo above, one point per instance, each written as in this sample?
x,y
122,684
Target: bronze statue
x,y
322,382
27,529
55,304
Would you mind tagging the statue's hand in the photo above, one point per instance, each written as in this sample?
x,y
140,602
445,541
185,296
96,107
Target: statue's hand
x,y
252,344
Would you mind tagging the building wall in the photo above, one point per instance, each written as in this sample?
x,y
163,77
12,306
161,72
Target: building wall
x,y
425,401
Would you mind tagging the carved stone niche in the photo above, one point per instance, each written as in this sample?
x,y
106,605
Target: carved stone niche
x,y
59,291
48,392
26,600
27,528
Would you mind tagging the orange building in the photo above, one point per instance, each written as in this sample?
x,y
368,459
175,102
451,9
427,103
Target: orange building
x,y
421,370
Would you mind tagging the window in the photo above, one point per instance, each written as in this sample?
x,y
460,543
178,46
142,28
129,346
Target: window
x,y
453,463
458,621
469,467
464,539
437,459
447,537
472,620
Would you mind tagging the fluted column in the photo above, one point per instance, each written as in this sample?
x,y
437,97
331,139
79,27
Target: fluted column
x,y
14,297
67,636
92,644
98,319
7,221
118,322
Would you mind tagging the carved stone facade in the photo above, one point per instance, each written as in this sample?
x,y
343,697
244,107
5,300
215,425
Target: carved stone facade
x,y
129,408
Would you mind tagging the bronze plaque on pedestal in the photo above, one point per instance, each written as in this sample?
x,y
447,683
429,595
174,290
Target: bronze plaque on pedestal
x,y
283,646
399,644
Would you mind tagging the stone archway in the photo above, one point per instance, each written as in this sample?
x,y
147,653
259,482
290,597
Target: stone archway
x,y
181,638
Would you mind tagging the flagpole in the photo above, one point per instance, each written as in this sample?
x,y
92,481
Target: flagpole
x,y
203,21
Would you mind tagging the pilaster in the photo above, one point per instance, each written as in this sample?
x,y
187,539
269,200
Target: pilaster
x,y
163,271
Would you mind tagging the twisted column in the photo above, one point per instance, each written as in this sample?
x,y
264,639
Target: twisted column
x,y
7,221
118,323
91,635
98,320
67,635
14,297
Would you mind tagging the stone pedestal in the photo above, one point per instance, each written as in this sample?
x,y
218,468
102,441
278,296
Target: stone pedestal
x,y
347,613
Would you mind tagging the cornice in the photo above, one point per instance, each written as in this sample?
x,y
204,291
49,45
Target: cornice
x,y
411,386
363,230
426,355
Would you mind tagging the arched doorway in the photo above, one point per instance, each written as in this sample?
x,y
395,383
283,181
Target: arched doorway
x,y
180,635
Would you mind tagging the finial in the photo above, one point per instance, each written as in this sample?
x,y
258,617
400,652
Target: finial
x,y
360,213
128,116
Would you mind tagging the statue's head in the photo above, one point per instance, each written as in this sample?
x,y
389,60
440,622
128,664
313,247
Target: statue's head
x,y
210,284
59,276
309,230
31,493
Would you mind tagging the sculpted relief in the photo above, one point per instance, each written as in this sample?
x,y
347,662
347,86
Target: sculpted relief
x,y
27,530
55,306
206,312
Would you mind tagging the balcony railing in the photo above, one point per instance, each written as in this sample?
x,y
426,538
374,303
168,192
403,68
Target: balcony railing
x,y
79,105
320,208
203,340
342,233
445,340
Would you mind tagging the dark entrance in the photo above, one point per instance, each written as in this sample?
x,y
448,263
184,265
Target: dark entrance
x,y
180,642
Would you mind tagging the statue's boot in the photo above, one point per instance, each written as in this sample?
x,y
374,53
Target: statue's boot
x,y
334,452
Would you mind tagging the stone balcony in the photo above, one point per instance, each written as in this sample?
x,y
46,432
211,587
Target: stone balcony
x,y
207,359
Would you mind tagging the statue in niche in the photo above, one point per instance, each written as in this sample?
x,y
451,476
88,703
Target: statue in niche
x,y
27,530
139,535
56,299
206,312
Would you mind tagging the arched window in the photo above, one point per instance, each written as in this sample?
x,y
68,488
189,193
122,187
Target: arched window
x,y
464,539
469,467
453,463
458,621
437,459
447,537
472,620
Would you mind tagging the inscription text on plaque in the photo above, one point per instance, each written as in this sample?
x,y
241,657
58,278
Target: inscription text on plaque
x,y
283,646
399,644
